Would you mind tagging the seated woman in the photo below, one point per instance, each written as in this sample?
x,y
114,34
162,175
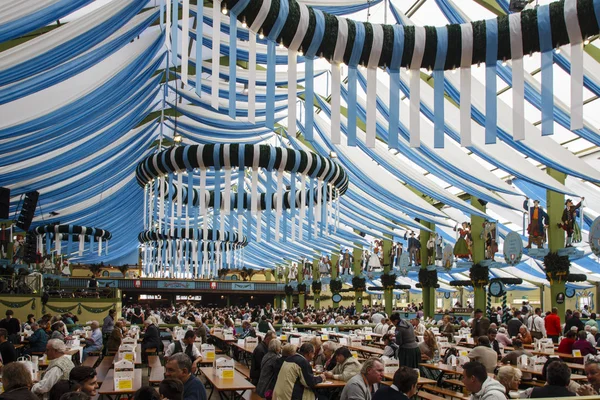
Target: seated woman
x,y
346,366
509,377
115,338
428,346
17,383
566,345
583,345
524,335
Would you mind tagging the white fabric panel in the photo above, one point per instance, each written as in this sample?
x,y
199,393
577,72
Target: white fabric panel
x,y
54,97
518,82
545,145
13,10
302,28
260,76
185,37
415,83
44,43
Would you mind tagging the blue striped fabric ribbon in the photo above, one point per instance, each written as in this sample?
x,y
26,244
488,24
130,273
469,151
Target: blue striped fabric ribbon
x,y
547,92
491,99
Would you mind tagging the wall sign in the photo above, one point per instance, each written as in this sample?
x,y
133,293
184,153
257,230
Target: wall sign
x,y
570,292
560,298
242,286
513,248
175,285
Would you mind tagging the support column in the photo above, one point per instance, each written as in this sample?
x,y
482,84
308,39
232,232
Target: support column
x,y
478,251
335,258
276,302
357,252
556,236
428,292
388,294
301,296
597,297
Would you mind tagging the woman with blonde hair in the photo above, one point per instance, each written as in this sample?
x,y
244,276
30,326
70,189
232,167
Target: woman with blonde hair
x,y
429,345
509,377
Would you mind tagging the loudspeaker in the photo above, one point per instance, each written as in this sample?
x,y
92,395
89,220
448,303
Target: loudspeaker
x,y
29,251
4,202
28,210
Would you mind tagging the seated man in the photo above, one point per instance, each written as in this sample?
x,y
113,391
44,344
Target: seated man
x,y
296,379
151,337
558,377
179,367
186,346
7,350
247,330
481,386
60,366
484,354
94,342
362,385
512,357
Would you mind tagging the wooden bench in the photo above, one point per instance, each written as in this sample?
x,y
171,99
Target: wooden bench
x,y
90,361
154,362
533,383
103,368
157,374
242,369
445,392
428,396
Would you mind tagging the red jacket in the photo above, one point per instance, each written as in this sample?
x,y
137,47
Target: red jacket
x,y
552,323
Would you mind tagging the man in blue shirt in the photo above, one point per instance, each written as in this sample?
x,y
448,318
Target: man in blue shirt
x,y
179,367
94,342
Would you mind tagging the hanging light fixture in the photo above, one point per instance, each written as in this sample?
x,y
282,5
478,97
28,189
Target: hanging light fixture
x,y
177,138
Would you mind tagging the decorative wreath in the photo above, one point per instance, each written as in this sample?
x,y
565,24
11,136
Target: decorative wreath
x,y
213,235
480,275
359,283
428,278
388,281
289,290
302,288
316,286
398,38
557,267
335,285
182,158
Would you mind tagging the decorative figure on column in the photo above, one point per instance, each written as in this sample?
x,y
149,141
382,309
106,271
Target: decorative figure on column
x,y
346,260
366,256
538,223
568,222
461,248
324,266
374,260
293,274
414,245
431,250
306,269
439,247
395,253
489,233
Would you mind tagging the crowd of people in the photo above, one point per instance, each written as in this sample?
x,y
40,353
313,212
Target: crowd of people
x,y
282,370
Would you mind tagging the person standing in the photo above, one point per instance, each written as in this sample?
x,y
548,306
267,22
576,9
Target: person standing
x,y
480,325
514,324
552,325
538,222
409,353
574,321
109,323
12,326
364,385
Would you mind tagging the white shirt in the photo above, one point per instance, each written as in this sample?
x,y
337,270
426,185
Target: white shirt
x,y
590,338
377,317
195,352
538,322
420,330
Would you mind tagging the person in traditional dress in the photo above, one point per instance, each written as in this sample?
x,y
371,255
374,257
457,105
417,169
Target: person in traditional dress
x,y
366,256
293,274
307,269
347,261
430,250
374,261
395,253
439,247
461,248
489,233
538,222
568,220
413,247
324,266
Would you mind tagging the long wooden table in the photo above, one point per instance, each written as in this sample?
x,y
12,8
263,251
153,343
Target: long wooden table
x,y
108,385
225,386
366,349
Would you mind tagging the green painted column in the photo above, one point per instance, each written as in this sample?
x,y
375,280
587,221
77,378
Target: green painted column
x,y
358,295
301,296
428,292
480,300
335,258
268,275
556,236
388,294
